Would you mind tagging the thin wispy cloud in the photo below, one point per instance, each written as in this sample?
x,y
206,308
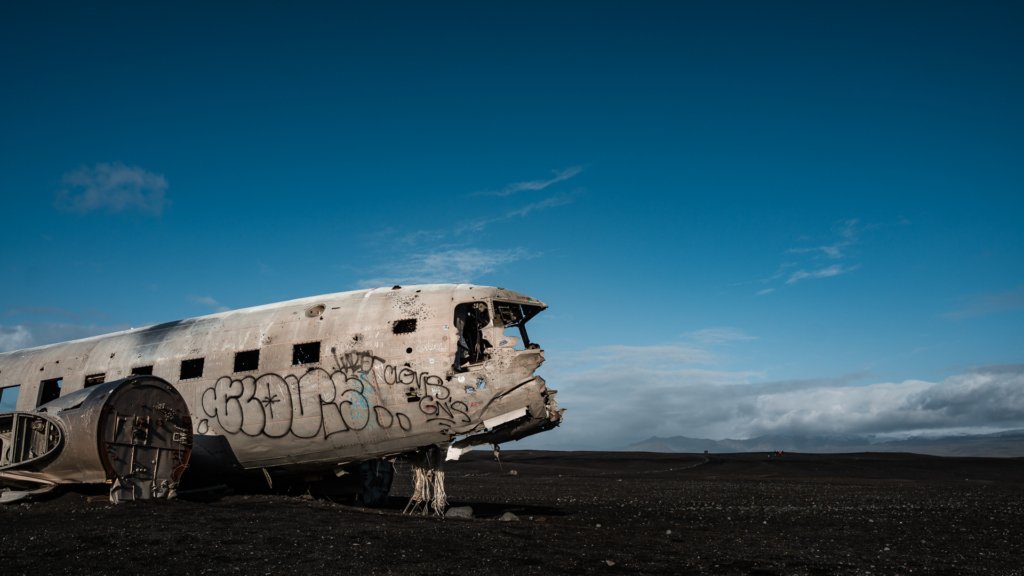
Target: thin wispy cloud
x,y
521,212
847,234
661,355
265,269
209,302
552,202
114,188
824,260
826,272
988,304
453,256
536,185
417,237
723,335
37,311
469,223
449,264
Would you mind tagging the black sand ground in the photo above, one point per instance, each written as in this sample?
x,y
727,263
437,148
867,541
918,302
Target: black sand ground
x,y
579,513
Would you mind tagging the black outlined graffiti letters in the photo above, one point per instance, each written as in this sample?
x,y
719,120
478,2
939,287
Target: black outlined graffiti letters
x,y
322,402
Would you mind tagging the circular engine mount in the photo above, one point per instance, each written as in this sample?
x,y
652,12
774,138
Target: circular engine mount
x,y
134,434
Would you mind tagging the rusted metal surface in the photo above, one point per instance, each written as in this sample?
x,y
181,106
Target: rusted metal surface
x,y
322,383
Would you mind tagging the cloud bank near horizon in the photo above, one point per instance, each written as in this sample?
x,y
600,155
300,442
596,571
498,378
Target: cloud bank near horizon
x,y
621,397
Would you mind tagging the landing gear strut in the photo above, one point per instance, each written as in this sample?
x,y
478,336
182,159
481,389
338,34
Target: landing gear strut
x,y
428,484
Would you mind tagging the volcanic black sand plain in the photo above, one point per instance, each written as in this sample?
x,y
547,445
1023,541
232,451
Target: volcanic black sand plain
x,y
578,513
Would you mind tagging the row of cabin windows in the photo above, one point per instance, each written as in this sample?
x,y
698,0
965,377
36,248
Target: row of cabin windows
x,y
249,360
246,361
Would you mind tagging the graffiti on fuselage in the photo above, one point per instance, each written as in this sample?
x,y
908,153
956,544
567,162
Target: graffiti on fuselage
x,y
324,402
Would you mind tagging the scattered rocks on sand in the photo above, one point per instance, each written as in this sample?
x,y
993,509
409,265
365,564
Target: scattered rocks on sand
x,y
842,515
465,512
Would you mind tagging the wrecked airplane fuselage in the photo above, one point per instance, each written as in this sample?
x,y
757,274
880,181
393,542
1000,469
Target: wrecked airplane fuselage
x,y
134,434
318,388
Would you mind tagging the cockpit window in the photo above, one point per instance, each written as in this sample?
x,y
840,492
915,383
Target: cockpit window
x,y
470,320
512,315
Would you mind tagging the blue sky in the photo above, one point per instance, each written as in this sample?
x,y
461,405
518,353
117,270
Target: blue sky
x,y
746,217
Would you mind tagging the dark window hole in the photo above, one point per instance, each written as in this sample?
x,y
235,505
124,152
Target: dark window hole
x,y
192,368
308,353
404,326
246,361
49,390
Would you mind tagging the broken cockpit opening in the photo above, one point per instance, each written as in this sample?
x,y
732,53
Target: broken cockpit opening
x,y
471,320
514,316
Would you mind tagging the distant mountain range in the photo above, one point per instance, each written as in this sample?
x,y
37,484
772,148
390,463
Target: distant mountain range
x,y
1001,444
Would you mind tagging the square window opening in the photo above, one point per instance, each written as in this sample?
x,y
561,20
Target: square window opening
x,y
308,353
192,368
9,398
246,361
142,371
94,379
49,390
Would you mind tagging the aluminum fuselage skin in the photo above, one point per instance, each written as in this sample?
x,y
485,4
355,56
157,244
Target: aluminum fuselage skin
x,y
382,383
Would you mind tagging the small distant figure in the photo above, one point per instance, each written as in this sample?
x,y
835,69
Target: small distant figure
x,y
497,457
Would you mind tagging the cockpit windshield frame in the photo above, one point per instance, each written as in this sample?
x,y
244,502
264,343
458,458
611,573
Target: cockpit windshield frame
x,y
516,315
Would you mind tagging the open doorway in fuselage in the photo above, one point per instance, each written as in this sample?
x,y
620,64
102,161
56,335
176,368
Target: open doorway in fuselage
x,y
470,320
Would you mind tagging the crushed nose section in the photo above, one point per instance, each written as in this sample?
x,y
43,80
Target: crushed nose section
x,y
537,411
134,434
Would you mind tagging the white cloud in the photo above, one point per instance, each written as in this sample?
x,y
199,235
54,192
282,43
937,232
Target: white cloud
x,y
536,185
617,395
980,399
38,334
14,338
445,265
113,187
